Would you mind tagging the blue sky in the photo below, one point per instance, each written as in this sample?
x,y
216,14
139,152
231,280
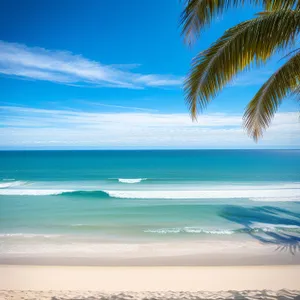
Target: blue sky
x,y
109,74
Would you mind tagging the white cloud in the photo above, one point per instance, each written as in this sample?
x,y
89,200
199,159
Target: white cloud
x,y
40,128
67,68
133,108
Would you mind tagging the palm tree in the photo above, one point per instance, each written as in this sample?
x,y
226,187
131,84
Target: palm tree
x,y
241,47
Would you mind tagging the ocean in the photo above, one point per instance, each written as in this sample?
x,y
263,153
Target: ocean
x,y
91,203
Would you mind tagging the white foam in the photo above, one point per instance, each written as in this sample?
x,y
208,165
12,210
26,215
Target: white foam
x,y
11,184
266,227
27,235
259,195
255,192
276,199
217,231
163,230
31,192
189,230
131,180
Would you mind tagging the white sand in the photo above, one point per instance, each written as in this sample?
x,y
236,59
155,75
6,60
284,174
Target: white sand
x,y
187,253
138,279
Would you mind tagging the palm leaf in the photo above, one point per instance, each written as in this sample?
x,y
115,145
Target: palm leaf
x,y
200,13
296,92
263,106
281,4
239,48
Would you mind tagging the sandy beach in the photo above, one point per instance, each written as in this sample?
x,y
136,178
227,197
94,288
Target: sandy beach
x,y
56,282
139,157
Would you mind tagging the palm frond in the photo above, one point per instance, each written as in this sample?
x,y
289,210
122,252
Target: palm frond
x,y
281,4
239,48
263,106
198,14
296,92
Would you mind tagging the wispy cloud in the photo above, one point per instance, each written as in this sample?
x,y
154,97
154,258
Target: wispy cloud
x,y
133,108
67,68
23,127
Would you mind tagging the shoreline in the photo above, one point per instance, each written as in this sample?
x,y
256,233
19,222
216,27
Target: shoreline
x,y
204,260
141,279
187,253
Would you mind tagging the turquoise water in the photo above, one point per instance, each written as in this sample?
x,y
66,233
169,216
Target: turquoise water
x,y
53,198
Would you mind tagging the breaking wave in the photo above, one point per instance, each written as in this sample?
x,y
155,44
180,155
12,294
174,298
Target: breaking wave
x,y
254,195
268,192
96,194
131,180
10,183
32,192
258,195
41,192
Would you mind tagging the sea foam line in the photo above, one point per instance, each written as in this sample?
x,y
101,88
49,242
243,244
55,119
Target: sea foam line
x,y
189,230
31,192
131,180
11,184
258,195
280,192
257,228
28,235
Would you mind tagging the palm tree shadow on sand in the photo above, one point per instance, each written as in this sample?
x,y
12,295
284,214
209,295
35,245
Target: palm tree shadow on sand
x,y
287,240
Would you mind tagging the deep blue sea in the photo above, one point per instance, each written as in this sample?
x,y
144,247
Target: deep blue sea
x,y
53,199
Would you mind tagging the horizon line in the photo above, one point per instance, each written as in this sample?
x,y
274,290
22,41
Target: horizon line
x,y
154,149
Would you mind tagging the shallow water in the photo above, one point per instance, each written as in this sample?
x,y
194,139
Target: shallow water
x,y
53,199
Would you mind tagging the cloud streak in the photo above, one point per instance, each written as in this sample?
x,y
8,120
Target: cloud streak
x,y
134,108
23,127
66,68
